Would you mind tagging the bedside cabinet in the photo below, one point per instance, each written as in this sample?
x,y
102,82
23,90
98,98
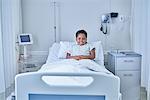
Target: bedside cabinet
x,y
127,65
30,64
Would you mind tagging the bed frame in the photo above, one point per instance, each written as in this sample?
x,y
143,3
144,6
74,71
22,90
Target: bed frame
x,y
30,86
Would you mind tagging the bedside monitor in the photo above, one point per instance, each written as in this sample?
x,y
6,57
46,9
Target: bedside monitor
x,y
25,39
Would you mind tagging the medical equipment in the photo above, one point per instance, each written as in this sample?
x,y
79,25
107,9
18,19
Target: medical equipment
x,y
126,65
30,86
105,20
25,39
114,14
68,79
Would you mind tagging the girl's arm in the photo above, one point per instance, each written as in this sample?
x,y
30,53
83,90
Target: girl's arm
x,y
91,56
68,56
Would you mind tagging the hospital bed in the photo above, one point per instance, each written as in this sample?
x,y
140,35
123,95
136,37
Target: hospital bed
x,y
68,80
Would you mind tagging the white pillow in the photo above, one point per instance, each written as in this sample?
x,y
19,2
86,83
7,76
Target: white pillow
x,y
53,52
59,50
65,47
99,55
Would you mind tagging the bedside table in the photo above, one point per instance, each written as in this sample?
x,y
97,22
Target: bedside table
x,y
127,65
30,64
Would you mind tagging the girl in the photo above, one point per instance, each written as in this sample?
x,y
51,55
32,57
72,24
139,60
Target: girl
x,y
81,50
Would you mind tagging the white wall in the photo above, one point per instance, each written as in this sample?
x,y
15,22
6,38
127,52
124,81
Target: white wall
x,y
86,15
17,28
148,41
10,27
2,82
140,35
38,19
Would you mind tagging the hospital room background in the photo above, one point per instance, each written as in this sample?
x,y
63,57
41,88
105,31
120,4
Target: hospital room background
x,y
50,21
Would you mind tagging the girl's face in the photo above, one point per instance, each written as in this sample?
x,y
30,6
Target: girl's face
x,y
81,39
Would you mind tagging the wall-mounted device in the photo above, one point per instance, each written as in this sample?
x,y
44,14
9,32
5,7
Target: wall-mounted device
x,y
105,20
25,39
113,14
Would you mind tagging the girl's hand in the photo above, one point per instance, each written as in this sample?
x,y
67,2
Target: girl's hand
x,y
68,55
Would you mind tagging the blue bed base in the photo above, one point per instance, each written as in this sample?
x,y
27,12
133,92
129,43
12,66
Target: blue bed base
x,y
64,97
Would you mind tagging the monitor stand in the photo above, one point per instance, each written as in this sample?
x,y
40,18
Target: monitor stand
x,y
25,52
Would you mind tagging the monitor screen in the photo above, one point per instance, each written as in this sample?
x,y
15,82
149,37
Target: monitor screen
x,y
25,38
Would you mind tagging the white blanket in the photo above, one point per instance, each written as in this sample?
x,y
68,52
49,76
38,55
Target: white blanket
x,y
71,66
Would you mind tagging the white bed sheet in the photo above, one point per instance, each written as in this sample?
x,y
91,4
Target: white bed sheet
x,y
71,66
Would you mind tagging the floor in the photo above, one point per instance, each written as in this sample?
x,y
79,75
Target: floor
x,y
2,96
143,94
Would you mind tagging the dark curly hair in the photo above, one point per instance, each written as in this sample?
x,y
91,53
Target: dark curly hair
x,y
81,32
